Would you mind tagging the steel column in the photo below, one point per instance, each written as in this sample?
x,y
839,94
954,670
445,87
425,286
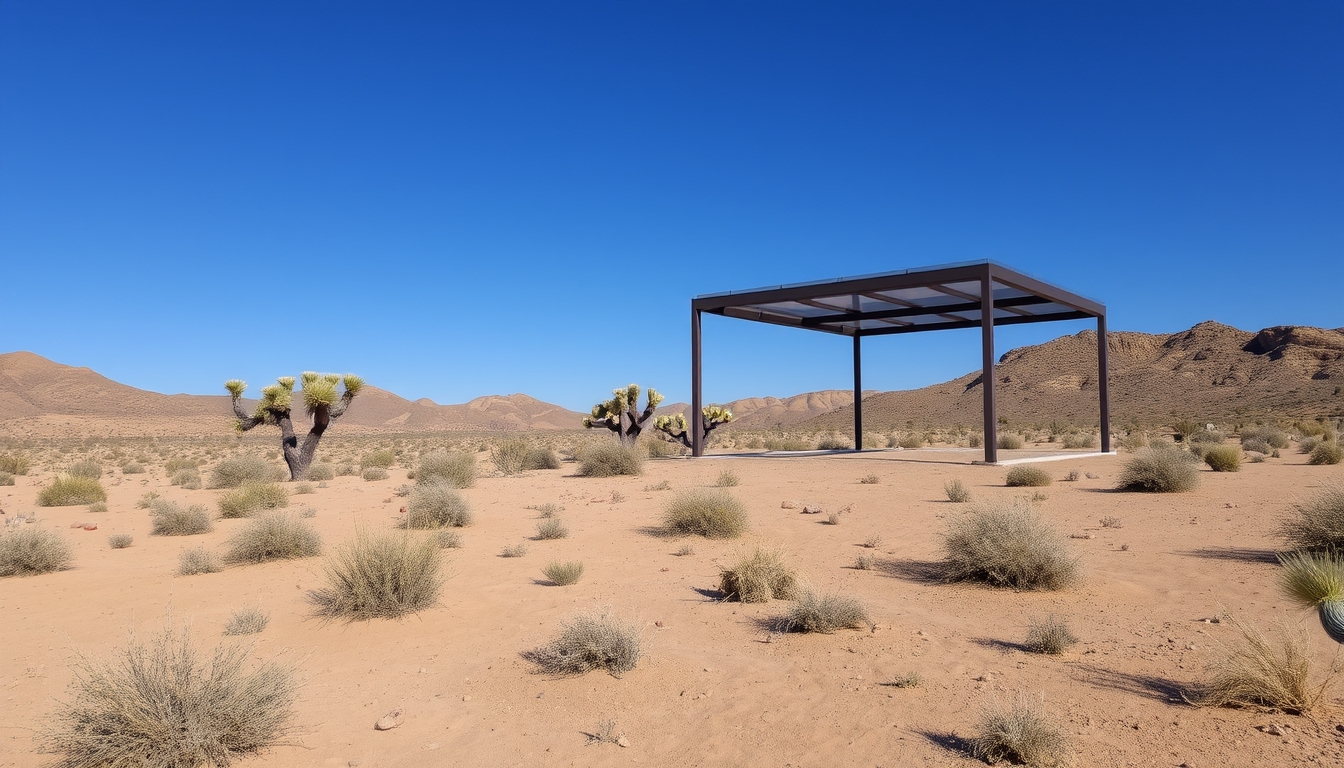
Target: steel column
x,y
1103,382
987,365
858,395
694,419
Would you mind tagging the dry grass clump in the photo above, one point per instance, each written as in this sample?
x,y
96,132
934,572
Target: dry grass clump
x,y
382,458
252,498
235,470
1308,444
1326,453
374,473
132,468
381,576
69,491
1049,635
323,471
85,468
6,478
563,574
870,479
784,443
1263,671
275,536
29,551
514,550
188,477
957,492
513,456
1319,522
177,464
1008,546
198,560
303,488
157,704
98,506
551,528
436,504
834,442
1270,436
1027,477
759,577
247,621
1223,458
824,614
727,479
590,641
906,680
1020,733
119,540
910,441
1009,441
15,463
609,459
1080,440
168,518
713,514
1159,470
1132,442
458,470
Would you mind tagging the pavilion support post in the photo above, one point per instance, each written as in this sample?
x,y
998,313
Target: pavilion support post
x,y
1103,383
987,362
858,394
693,419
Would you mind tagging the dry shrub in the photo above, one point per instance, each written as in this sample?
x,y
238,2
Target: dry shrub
x,y
1132,442
15,463
551,528
513,456
458,470
785,443
1021,733
1159,470
1009,441
759,577
275,536
1049,635
188,477
1270,436
1027,477
1008,546
1326,453
589,641
910,441
713,514
382,458
120,540
69,491
834,442
380,577
957,492
609,459
1255,445
1264,671
824,614
448,539
156,704
6,478
1080,440
29,551
1308,444
247,621
727,479
542,458
86,469
168,518
374,473
303,488
252,498
132,469
236,470
563,574
1223,458
197,560
436,504
322,471
177,464
870,479
515,550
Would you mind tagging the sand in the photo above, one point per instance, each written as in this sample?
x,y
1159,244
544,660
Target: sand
x,y
714,688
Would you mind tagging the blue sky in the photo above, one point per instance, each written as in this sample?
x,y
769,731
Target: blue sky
x,y
456,200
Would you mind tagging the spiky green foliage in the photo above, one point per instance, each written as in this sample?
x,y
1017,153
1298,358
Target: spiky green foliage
x,y
824,614
274,536
69,491
157,705
456,469
590,641
252,498
1159,470
236,387
712,513
1312,578
1008,546
1027,477
30,550
759,577
437,505
381,576
1020,732
621,413
711,418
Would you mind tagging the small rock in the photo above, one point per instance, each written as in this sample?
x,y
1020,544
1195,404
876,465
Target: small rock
x,y
986,678
90,526
658,624
466,698
1271,729
389,721
788,505
622,741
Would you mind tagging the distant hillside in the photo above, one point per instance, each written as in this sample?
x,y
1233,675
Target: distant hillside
x,y
774,412
1211,371
38,396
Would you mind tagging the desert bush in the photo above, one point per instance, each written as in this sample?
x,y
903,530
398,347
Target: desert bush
x,y
824,614
437,504
15,463
1223,458
957,491
590,641
177,464
713,514
119,540
759,577
233,471
1159,470
69,491
197,560
169,518
374,473
252,498
1080,440
975,440
1027,477
870,479
156,704
91,470
1255,445
188,477
304,489
910,440
1132,442
1326,453
1208,436
608,459
273,536
1009,441
510,456
1270,436
1308,444
146,500
30,551
246,621
834,442
98,506
551,528
380,577
458,470
1049,635
6,478
1318,523
1008,546
786,444
1263,671
514,550
448,539
1020,732
542,458
132,469
563,574
382,458
324,471
727,479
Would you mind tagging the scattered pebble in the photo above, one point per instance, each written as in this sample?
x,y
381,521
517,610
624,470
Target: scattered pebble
x,y
389,721
622,741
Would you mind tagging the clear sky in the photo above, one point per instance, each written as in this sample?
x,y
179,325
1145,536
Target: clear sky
x,y
464,199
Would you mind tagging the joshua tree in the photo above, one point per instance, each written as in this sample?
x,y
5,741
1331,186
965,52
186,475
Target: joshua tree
x,y
320,400
1316,580
621,413
675,426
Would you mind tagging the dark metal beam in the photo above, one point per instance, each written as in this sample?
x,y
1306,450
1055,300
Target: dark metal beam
x,y
1103,383
858,394
766,317
693,420
964,295
917,279
941,310
1058,295
987,366
1070,315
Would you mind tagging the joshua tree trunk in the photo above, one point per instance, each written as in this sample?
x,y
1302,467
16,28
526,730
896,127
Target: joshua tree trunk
x,y
711,417
620,414
320,400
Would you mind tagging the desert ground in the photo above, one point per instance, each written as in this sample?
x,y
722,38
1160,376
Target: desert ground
x,y
715,686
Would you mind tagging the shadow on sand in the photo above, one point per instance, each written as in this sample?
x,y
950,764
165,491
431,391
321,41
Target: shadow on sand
x,y
1235,554
1148,686
917,571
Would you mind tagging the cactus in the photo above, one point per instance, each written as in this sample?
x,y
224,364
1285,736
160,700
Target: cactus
x,y
621,413
1317,580
320,400
675,426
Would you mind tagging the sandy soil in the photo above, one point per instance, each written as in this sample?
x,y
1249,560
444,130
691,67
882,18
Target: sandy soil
x,y
714,688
